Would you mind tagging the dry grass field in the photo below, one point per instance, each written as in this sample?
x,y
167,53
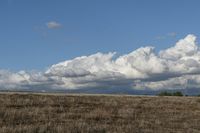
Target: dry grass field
x,y
39,113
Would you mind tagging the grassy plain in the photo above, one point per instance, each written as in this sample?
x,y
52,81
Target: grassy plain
x,y
42,113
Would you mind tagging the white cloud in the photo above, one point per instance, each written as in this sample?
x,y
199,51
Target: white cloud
x,y
53,25
177,67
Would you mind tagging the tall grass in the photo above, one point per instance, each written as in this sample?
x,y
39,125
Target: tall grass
x,y
20,113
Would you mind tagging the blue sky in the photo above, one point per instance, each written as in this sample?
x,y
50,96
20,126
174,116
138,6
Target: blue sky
x,y
87,27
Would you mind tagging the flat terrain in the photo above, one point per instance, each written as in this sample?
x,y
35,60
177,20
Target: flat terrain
x,y
39,113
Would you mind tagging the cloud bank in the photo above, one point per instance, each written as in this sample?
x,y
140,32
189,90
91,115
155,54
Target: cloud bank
x,y
177,67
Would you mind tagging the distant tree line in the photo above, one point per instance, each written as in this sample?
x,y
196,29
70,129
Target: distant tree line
x,y
165,93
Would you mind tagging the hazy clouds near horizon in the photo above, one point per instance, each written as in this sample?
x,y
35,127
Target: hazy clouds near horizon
x,y
177,67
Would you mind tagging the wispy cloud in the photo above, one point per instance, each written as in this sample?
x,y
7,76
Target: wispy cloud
x,y
172,34
177,67
168,35
53,25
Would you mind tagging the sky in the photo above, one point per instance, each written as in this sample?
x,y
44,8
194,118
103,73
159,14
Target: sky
x,y
87,27
94,44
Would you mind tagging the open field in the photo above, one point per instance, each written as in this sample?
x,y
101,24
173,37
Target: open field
x,y
38,113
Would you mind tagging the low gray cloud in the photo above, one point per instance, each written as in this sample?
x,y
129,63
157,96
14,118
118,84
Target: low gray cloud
x,y
177,67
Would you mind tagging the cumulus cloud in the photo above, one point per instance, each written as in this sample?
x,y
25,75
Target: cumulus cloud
x,y
177,67
53,25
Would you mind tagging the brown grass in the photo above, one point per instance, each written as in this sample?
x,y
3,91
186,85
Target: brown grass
x,y
34,113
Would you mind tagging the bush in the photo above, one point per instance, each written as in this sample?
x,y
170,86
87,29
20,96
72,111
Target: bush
x,y
165,93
